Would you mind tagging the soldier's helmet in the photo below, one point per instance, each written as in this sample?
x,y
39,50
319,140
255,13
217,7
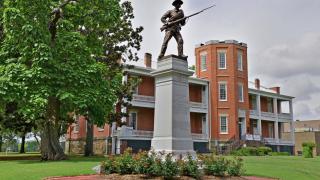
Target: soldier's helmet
x,y
176,2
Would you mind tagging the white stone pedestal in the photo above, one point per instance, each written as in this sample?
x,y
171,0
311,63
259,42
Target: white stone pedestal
x,y
172,130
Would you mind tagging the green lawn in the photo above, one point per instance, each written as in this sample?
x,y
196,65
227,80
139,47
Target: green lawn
x,y
36,170
283,167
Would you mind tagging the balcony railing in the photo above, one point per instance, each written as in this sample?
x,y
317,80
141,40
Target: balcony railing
x,y
251,137
143,98
285,116
254,113
268,115
198,107
128,132
273,141
199,136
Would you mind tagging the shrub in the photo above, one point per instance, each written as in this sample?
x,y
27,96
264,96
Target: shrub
x,y
235,167
125,164
279,154
189,167
109,165
170,167
263,151
148,164
215,165
245,151
308,149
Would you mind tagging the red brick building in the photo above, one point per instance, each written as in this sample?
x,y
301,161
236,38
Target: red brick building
x,y
225,108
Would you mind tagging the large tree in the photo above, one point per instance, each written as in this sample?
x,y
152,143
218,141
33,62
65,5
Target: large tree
x,y
59,57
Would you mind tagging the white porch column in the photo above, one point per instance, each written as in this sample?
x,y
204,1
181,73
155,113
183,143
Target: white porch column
x,y
113,140
292,128
276,124
258,99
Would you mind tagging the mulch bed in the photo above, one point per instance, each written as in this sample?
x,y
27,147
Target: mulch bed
x,y
142,177
15,158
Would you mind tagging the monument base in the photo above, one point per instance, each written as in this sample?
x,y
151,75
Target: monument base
x,y
172,130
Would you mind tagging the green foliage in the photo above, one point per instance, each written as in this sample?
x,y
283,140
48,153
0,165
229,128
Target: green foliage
x,y
170,167
279,154
190,167
147,164
252,151
222,166
125,164
235,167
215,165
109,165
245,151
307,148
66,53
263,151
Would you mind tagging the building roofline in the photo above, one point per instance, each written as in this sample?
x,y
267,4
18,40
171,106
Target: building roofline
x,y
255,91
211,42
147,72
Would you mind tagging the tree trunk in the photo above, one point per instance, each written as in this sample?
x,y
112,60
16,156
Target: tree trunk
x,y
23,137
0,143
89,138
50,146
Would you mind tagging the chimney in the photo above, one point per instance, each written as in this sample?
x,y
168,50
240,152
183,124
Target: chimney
x,y
147,60
257,83
276,89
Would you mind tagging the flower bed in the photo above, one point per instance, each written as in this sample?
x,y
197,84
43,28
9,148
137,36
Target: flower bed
x,y
151,164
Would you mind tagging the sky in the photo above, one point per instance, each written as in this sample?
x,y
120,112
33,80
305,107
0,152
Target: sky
x,y
283,38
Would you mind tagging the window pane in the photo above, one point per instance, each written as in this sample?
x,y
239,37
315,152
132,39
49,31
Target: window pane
x,y
203,62
222,60
223,91
133,120
240,92
240,64
223,124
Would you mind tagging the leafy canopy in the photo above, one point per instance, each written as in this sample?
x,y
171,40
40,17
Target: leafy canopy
x,y
66,50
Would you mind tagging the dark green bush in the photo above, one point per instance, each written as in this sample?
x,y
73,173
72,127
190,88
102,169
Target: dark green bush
x,y
279,154
263,151
215,165
125,164
153,164
308,149
109,165
235,167
245,151
190,167
170,168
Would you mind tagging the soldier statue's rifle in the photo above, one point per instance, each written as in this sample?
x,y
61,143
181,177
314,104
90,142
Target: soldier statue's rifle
x,y
167,25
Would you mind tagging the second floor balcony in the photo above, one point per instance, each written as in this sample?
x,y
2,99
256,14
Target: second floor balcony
x,y
129,133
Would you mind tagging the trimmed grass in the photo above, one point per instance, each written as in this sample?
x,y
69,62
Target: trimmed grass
x,y
36,170
283,167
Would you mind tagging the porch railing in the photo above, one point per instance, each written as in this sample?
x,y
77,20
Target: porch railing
x,y
198,105
143,98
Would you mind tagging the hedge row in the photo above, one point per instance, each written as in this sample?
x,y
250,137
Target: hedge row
x,y
160,165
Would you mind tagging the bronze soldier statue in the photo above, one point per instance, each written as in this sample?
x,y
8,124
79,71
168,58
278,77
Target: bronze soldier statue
x,y
174,29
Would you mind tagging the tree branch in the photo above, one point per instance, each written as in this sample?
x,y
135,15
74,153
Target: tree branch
x,y
57,14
